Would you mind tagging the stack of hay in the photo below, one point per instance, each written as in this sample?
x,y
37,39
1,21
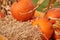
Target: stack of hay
x,y
15,30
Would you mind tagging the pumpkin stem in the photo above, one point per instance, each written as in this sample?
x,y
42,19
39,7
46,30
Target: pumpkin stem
x,y
50,4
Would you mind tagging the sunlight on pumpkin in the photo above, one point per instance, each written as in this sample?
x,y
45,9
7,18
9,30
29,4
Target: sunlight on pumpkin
x,y
37,15
35,22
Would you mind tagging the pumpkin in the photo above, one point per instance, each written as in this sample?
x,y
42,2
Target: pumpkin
x,y
3,38
52,21
53,13
1,15
56,27
20,10
57,34
35,21
44,26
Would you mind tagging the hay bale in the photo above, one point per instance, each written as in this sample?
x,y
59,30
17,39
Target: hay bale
x,y
15,30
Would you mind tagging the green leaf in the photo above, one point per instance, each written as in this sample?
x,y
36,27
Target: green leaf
x,y
43,5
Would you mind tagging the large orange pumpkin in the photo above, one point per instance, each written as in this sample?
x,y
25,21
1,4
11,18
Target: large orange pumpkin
x,y
44,26
19,10
53,13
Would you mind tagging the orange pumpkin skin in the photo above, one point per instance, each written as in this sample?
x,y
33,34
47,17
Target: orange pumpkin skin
x,y
54,13
34,22
56,35
52,21
45,26
19,10
1,15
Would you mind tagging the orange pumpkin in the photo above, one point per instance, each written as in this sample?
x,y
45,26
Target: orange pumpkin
x,y
52,21
1,14
57,34
44,26
35,21
19,10
53,13
3,38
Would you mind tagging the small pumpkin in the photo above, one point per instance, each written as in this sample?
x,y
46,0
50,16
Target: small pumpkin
x,y
2,15
53,13
44,26
20,10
